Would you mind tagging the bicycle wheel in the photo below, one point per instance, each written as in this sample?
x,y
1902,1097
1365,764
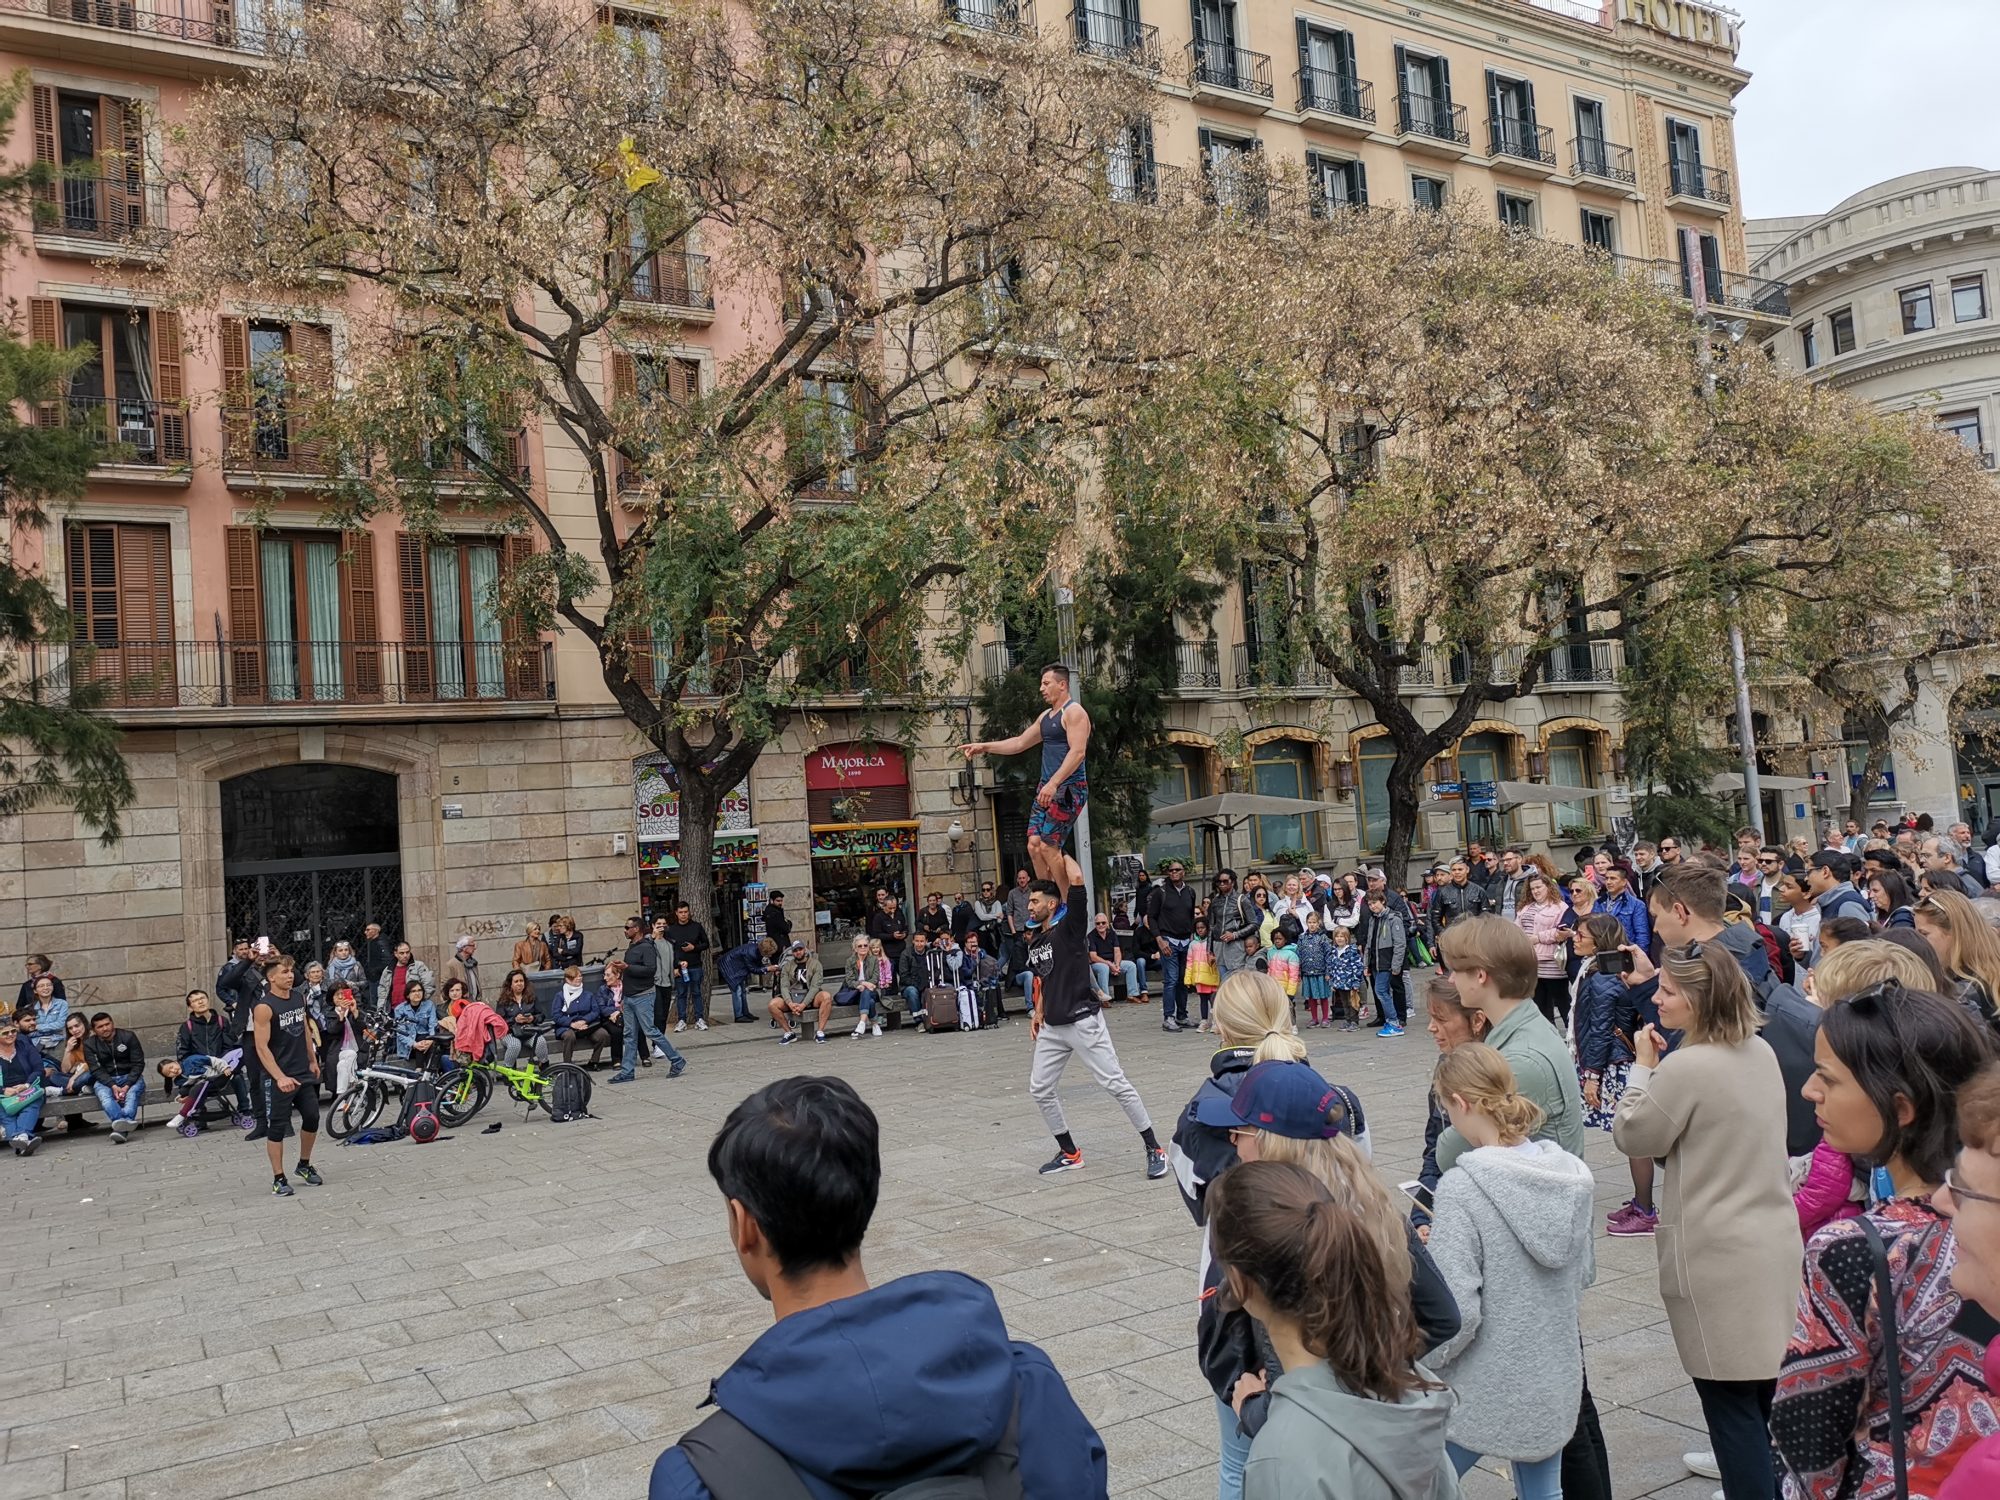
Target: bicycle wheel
x,y
356,1110
462,1093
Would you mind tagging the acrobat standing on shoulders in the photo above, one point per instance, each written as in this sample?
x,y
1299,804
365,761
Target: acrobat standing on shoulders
x,y
1064,733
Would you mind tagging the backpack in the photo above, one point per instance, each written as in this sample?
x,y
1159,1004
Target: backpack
x,y
419,1119
569,1095
735,1464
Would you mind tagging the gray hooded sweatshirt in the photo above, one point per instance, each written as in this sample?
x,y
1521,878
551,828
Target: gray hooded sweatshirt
x,y
1511,1235
1323,1442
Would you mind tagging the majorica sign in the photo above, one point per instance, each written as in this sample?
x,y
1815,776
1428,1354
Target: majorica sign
x,y
1681,18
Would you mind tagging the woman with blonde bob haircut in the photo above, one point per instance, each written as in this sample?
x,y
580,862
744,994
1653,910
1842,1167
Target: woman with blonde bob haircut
x,y
1854,967
1967,950
1728,1236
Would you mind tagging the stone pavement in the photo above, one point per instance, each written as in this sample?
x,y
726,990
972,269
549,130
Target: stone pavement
x,y
537,1312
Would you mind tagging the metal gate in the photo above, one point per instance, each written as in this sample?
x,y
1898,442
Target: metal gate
x,y
305,907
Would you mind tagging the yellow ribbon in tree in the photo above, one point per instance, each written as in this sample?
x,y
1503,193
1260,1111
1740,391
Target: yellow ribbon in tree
x,y
637,174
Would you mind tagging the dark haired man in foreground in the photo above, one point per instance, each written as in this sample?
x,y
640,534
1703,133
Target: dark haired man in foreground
x,y
860,1389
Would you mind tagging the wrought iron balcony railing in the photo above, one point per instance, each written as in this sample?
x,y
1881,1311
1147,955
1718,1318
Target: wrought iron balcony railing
x,y
672,278
1212,65
1116,37
149,433
1334,93
1001,17
1437,119
1523,140
1690,179
102,202
1590,156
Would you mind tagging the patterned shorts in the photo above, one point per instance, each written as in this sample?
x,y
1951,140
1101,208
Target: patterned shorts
x,y
1052,824
1609,1087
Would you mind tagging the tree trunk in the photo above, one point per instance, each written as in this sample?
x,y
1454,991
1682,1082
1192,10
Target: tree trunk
x,y
1405,780
701,800
1871,772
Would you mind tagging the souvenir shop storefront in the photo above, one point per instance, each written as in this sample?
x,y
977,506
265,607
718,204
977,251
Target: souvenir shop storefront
x,y
657,801
862,837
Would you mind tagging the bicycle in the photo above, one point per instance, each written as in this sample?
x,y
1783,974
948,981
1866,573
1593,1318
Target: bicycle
x,y
465,1089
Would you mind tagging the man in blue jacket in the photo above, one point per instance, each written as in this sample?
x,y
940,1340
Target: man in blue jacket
x,y
927,1381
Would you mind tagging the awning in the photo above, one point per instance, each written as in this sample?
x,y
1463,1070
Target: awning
x,y
1231,808
1732,781
1514,793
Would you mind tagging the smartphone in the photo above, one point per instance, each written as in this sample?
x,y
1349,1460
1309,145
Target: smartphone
x,y
1418,1193
1614,963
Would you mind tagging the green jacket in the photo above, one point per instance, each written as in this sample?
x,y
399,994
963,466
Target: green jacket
x,y
1544,1071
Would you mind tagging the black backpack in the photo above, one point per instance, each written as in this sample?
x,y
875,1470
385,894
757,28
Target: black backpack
x,y
735,1464
569,1095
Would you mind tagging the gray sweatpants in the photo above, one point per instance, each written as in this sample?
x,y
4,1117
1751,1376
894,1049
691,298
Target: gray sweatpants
x,y
1090,1039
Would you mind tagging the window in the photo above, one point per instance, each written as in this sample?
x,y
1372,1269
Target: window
x,y
1482,759
130,391
1511,118
1423,98
827,432
1600,231
1326,70
1916,304
1128,165
1109,28
302,616
272,373
1336,184
1517,213
1215,39
455,645
1183,781
1371,790
1230,173
1429,192
1711,265
274,168
1572,764
1283,768
1968,299
646,377
95,147
1809,344
640,35
1593,152
122,606
1684,158
1840,326
1966,427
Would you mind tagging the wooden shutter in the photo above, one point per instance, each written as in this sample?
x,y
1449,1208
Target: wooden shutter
x,y
360,617
517,453
1528,110
624,388
1444,86
1402,86
246,614
308,390
169,387
234,342
683,379
521,648
222,22
121,160
1308,82
1360,183
146,615
413,576
45,327
47,152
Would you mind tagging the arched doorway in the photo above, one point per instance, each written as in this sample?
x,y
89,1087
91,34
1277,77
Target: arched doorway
x,y
310,855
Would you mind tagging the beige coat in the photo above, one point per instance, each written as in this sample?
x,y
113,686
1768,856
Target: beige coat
x,y
1728,1238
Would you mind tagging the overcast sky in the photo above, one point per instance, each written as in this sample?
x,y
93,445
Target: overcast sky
x,y
1846,93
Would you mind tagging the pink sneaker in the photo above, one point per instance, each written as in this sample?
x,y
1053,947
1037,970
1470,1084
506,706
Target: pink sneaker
x,y
1627,1207
1635,1223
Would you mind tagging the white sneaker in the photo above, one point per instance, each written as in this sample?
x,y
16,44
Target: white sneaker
x,y
861,1027
680,1026
701,1025
1703,1464
878,1029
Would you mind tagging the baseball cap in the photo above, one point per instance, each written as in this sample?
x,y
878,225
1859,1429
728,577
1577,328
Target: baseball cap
x,y
798,945
1285,1098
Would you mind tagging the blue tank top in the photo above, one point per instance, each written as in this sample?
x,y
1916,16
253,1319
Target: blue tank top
x,y
1055,744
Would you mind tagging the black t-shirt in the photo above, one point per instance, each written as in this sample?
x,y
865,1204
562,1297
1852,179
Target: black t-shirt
x,y
934,922
288,1041
1059,960
778,926
1103,948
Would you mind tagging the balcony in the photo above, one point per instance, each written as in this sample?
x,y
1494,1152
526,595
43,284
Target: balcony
x,y
1241,189
1339,100
1703,189
1429,124
997,17
673,279
1230,75
1598,163
1582,664
1271,669
1113,37
305,678
145,435
1152,183
100,213
1522,146
1730,291
266,443
1198,665
184,38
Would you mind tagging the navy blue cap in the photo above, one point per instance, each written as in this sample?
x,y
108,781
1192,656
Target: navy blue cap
x,y
1285,1098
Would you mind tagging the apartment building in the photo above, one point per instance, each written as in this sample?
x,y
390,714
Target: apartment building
x,y
328,727
1891,297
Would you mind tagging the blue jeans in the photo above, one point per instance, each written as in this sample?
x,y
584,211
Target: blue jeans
x,y
1385,998
25,1122
739,999
1235,1454
127,1112
1540,1480
1100,977
1134,970
1173,989
687,993
638,1015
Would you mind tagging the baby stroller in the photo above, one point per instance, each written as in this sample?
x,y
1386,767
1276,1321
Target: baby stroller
x,y
201,1098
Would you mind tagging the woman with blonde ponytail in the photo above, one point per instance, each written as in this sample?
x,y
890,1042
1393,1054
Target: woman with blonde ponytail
x,y
1510,1230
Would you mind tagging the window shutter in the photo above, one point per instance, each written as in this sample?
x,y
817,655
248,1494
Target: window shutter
x,y
234,341
146,615
246,613
1361,183
222,21
169,387
1444,84
1308,84
45,327
121,159
1081,16
1402,86
522,648
517,453
1200,32
1528,103
624,375
309,388
1495,121
1687,275
413,576
46,151
360,617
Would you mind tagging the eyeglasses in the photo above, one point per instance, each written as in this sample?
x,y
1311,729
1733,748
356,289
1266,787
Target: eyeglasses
x,y
1958,1189
1669,848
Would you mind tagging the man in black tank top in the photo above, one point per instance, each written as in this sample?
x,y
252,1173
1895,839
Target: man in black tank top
x,y
1063,732
289,1055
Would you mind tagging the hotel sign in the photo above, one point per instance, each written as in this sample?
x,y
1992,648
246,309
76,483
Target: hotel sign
x,y
1684,19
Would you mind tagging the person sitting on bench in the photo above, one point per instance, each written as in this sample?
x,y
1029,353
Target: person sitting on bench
x,y
801,987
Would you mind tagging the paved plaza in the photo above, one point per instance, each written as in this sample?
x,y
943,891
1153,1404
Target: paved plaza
x,y
538,1312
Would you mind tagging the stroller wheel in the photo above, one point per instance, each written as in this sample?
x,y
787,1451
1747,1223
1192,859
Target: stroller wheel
x,y
190,1128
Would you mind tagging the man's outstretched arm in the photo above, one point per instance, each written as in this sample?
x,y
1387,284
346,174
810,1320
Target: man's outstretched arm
x,y
1027,739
